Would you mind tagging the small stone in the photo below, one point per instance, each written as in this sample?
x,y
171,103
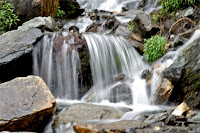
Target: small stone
x,y
182,108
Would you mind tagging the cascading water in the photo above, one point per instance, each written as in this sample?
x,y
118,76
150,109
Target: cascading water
x,y
111,56
115,5
58,67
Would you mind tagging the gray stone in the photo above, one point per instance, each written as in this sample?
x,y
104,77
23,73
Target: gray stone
x,y
39,22
84,112
16,43
185,75
26,104
186,12
156,117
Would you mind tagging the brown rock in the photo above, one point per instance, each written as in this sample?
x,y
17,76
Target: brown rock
x,y
164,91
28,9
110,127
84,112
26,104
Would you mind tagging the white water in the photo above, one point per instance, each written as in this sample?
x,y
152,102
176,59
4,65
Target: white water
x,y
59,69
111,56
115,5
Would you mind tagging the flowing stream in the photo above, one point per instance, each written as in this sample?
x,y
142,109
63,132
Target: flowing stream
x,y
59,68
116,5
110,58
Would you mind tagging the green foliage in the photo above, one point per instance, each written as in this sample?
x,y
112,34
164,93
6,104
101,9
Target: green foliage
x,y
154,47
7,16
71,9
131,26
170,7
60,13
175,5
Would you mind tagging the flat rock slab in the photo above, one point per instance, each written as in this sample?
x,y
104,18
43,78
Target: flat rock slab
x,y
26,104
115,127
84,112
16,43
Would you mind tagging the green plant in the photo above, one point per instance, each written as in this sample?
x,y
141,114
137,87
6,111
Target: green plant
x,y
60,13
170,7
7,16
131,26
154,47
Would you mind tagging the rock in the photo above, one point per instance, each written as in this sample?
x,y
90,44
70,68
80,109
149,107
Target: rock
x,y
184,74
137,37
144,25
145,74
109,127
182,108
186,12
175,120
121,93
26,104
15,53
164,91
111,23
71,7
28,9
84,112
39,22
94,27
156,117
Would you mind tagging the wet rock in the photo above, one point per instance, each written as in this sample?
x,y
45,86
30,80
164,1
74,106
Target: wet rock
x,y
109,127
28,9
84,112
186,12
47,23
145,74
94,27
15,53
184,74
176,120
111,23
182,108
71,7
195,118
164,129
26,104
121,93
156,117
164,91
144,25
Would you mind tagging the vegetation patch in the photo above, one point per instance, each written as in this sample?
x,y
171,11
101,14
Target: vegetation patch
x,y
154,47
60,13
170,7
7,16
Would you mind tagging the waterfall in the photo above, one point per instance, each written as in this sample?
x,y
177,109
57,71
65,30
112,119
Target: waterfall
x,y
59,67
116,5
111,56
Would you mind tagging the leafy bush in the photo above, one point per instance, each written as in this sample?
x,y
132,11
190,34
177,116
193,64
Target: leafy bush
x,y
60,13
7,16
170,7
154,47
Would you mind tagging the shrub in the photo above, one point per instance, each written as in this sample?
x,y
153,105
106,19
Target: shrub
x,y
154,47
60,13
131,26
170,7
7,16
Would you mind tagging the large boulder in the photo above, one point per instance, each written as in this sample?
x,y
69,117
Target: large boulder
x,y
46,23
28,9
71,7
185,75
15,53
26,104
84,112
